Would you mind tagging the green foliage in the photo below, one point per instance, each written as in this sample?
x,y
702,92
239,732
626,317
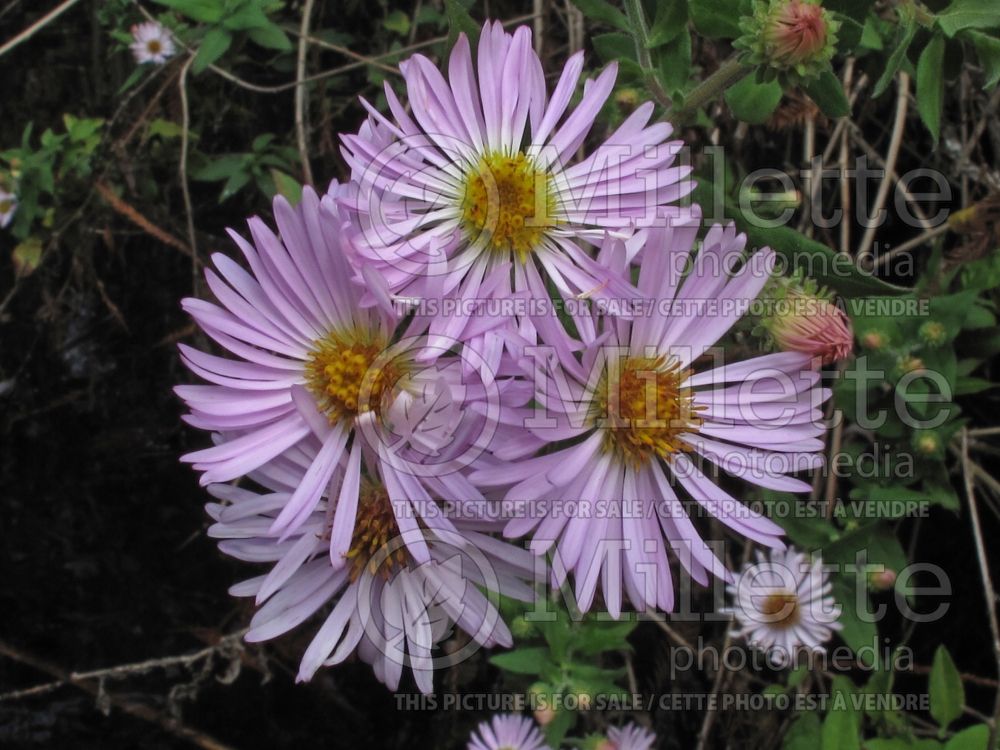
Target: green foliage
x,y
562,649
46,175
238,170
946,691
930,85
228,20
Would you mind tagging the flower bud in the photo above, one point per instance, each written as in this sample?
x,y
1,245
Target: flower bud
x,y
909,363
882,580
804,320
874,340
928,444
933,333
791,39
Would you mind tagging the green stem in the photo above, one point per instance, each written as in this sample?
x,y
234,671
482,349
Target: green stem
x,y
640,33
730,72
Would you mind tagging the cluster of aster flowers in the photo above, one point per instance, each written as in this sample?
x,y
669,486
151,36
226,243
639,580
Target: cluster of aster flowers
x,y
487,361
514,732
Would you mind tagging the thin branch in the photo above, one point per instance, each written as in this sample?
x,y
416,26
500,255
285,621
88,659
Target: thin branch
x,y
895,142
95,687
301,108
984,568
38,25
182,171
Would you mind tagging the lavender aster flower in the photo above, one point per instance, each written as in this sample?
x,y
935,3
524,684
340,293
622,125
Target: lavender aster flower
x,y
152,43
471,195
507,732
635,416
313,366
629,737
8,207
385,605
783,605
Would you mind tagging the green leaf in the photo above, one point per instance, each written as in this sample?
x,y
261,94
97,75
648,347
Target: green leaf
x,y
967,386
930,85
460,22
671,20
716,19
222,168
26,256
829,268
246,18
236,182
595,637
164,129
271,37
828,93
946,691
205,11
753,102
841,726
973,738
287,186
988,51
908,30
870,37
603,11
397,21
213,46
968,14
522,660
614,46
804,733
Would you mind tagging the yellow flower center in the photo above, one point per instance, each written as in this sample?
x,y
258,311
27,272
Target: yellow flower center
x,y
5,205
508,203
644,408
153,46
782,609
345,375
374,528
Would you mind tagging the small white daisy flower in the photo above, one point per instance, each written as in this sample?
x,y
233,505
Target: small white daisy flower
x,y
507,732
8,207
629,737
152,43
783,606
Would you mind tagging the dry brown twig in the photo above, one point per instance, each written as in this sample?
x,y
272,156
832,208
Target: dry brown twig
x,y
988,590
93,682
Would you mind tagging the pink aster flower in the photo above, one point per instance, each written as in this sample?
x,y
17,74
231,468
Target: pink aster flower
x,y
507,732
8,207
311,367
629,737
635,415
783,606
152,43
386,606
473,193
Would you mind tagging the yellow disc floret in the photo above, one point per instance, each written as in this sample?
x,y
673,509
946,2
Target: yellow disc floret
x,y
374,528
781,609
508,203
346,374
644,408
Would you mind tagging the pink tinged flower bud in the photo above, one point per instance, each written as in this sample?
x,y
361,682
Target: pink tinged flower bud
x,y
882,580
796,32
811,325
544,716
874,340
